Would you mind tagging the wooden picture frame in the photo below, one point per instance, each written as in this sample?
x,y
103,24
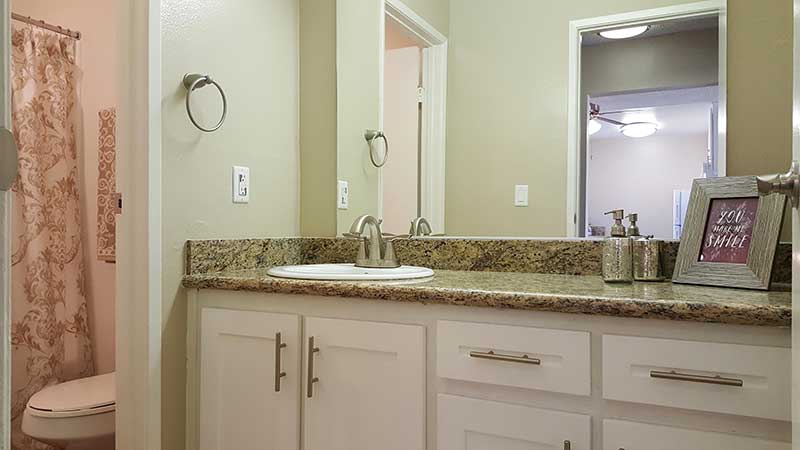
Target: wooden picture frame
x,y
761,234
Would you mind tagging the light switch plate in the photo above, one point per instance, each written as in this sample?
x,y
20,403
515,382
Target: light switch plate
x,y
241,184
521,195
342,194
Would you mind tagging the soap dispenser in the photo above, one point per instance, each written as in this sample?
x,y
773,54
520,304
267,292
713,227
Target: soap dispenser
x,y
617,252
633,229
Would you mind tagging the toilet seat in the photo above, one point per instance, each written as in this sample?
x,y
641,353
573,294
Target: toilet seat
x,y
82,397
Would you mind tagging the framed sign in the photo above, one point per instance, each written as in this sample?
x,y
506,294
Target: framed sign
x,y
730,234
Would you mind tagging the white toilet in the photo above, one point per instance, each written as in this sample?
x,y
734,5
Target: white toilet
x,y
76,415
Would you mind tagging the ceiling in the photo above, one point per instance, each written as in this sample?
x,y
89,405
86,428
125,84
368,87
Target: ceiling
x,y
657,29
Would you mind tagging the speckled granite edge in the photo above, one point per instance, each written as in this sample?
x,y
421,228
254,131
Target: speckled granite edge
x,y
736,313
567,256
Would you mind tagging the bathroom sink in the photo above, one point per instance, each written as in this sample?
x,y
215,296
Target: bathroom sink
x,y
337,272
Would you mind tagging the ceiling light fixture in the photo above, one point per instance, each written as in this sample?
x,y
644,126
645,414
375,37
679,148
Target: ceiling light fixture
x,y
639,129
624,33
594,126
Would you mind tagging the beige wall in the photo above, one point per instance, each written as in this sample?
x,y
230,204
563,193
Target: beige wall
x,y
97,60
759,86
318,117
507,104
252,48
359,87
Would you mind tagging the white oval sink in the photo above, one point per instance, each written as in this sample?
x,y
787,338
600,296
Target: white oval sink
x,y
338,272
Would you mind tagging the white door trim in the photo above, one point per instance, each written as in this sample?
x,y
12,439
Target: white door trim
x,y
433,134
5,237
796,237
576,27
414,23
138,314
434,106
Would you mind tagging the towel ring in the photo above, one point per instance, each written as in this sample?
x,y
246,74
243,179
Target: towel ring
x,y
371,136
192,81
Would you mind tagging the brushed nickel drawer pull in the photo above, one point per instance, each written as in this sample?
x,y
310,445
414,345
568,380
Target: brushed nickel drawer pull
x,y
279,344
525,359
311,378
672,375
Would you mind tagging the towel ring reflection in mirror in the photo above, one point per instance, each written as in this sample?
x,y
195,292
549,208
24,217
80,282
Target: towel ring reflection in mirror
x,y
192,81
371,136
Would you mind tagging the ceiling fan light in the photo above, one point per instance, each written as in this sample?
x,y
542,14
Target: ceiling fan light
x,y
624,33
594,126
639,129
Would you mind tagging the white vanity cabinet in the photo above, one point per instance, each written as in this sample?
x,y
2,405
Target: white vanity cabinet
x,y
369,391
244,402
376,374
361,384
625,435
471,424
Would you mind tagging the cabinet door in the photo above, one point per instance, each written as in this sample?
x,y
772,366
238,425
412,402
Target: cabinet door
x,y
624,435
240,406
370,392
471,424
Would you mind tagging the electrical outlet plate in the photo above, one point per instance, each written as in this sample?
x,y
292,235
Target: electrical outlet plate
x,y
342,194
521,195
241,184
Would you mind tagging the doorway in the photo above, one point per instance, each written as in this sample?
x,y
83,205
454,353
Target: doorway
x,y
658,52
414,99
61,99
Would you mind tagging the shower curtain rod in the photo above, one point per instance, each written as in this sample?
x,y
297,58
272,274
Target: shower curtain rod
x,y
47,26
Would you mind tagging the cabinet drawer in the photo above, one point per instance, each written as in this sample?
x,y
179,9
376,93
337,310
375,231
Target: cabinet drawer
x,y
724,378
533,358
471,424
623,435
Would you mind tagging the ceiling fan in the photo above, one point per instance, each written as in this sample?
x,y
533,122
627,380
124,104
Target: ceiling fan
x,y
629,129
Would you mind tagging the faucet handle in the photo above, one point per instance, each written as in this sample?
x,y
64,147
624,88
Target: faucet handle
x,y
352,236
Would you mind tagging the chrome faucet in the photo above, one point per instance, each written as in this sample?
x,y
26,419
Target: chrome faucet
x,y
420,227
375,249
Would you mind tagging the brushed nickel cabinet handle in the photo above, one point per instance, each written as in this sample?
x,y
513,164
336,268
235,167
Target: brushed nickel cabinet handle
x,y
279,344
567,445
311,378
524,359
677,376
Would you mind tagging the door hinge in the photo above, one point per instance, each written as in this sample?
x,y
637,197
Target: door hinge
x,y
118,203
420,94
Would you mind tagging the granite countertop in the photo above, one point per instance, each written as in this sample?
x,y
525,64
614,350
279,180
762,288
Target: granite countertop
x,y
579,294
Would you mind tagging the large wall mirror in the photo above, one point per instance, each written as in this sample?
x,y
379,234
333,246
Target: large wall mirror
x,y
514,119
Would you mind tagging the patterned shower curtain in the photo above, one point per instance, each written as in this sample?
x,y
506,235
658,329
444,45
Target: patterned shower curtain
x,y
49,331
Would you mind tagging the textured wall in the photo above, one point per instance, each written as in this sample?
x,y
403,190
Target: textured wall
x,y
252,48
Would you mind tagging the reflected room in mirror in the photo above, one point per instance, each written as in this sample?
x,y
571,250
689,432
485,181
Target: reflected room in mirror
x,y
494,131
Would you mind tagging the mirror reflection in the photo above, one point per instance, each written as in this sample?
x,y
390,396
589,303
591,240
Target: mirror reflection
x,y
512,120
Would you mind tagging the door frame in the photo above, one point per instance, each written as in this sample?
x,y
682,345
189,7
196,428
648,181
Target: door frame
x,y
574,121
139,265
432,132
5,236
138,322
796,233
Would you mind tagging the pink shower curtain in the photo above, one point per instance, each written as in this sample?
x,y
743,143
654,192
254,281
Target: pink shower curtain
x,y
49,331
